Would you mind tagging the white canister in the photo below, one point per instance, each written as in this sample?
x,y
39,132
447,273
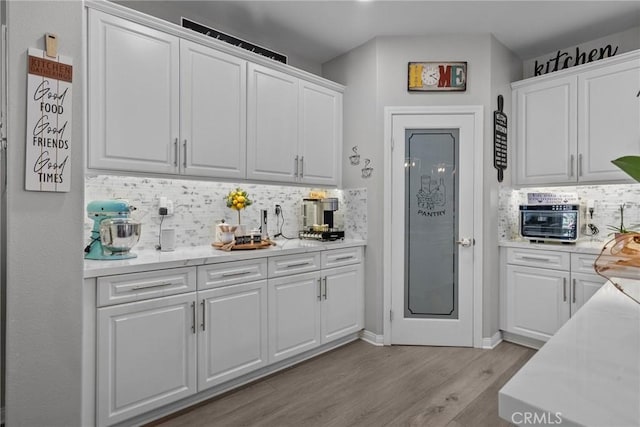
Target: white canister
x,y
168,239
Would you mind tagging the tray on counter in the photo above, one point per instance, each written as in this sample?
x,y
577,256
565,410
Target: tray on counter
x,y
242,247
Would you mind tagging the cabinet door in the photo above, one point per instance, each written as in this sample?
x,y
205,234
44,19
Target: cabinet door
x,y
583,286
272,125
146,356
213,112
545,132
294,315
342,302
320,127
233,332
133,98
537,301
609,119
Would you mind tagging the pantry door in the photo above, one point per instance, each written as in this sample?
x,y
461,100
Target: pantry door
x,y
432,229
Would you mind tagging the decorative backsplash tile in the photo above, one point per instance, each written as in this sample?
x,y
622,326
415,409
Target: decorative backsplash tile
x,y
200,205
607,200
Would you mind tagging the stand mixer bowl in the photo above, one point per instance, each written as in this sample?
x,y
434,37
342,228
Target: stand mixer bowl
x,y
119,235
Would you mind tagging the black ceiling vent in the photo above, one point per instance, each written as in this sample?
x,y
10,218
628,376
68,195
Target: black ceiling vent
x,y
211,32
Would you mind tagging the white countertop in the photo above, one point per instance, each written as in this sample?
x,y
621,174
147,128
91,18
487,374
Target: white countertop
x,y
584,246
200,255
588,373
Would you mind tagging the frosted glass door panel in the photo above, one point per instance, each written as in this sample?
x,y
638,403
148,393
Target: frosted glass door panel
x,y
431,223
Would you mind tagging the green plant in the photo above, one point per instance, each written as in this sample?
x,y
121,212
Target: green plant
x,y
630,165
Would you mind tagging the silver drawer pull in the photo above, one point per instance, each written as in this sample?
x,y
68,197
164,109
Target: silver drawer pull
x,y
300,264
160,285
536,258
239,273
344,258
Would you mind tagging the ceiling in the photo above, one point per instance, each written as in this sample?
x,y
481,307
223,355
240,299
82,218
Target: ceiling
x,y
319,31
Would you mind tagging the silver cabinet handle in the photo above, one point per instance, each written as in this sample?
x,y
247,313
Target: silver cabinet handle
x,y
302,167
344,258
571,165
160,285
325,287
295,173
184,151
239,273
175,152
573,292
319,289
203,315
535,258
300,264
579,164
193,317
564,289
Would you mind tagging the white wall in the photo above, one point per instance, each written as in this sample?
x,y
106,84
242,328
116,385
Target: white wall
x,y
358,70
506,67
625,41
44,239
174,11
386,58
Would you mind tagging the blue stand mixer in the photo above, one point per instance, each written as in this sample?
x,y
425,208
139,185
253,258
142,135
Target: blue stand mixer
x,y
114,233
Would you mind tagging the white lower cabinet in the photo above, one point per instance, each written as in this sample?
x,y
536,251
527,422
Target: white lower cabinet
x,y
342,304
146,356
233,332
294,315
310,309
166,335
537,302
541,290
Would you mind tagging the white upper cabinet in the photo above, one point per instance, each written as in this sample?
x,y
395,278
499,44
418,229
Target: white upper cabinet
x,y
545,125
608,119
320,134
272,134
159,102
571,124
213,112
133,96
294,129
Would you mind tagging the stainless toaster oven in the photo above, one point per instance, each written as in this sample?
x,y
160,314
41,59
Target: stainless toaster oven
x,y
550,222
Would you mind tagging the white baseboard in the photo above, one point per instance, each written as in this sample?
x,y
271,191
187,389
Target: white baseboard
x,y
372,338
493,341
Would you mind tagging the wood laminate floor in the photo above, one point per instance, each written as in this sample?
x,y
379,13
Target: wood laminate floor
x,y
363,385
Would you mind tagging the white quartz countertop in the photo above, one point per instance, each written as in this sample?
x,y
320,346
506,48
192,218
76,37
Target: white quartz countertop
x,y
586,246
200,255
588,373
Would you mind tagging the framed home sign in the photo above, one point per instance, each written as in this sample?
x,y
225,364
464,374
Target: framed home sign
x,y
437,77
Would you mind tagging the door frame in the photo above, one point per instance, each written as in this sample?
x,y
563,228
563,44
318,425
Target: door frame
x,y
477,111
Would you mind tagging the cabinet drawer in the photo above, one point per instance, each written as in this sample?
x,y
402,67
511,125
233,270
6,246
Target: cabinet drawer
x,y
539,258
583,263
141,286
231,273
292,264
338,257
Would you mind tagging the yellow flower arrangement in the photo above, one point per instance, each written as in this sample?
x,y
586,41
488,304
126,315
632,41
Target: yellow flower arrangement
x,y
238,199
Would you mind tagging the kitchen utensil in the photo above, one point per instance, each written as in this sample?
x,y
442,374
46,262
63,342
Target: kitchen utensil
x,y
114,233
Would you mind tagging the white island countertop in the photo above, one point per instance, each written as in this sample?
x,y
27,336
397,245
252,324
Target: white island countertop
x,y
200,255
588,373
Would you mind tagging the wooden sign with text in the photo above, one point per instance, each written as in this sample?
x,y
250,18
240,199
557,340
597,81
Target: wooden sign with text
x,y
48,144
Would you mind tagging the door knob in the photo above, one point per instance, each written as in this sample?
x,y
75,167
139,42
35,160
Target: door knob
x,y
465,242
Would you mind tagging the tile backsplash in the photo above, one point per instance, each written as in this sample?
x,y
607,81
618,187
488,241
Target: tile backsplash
x,y
607,200
200,205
